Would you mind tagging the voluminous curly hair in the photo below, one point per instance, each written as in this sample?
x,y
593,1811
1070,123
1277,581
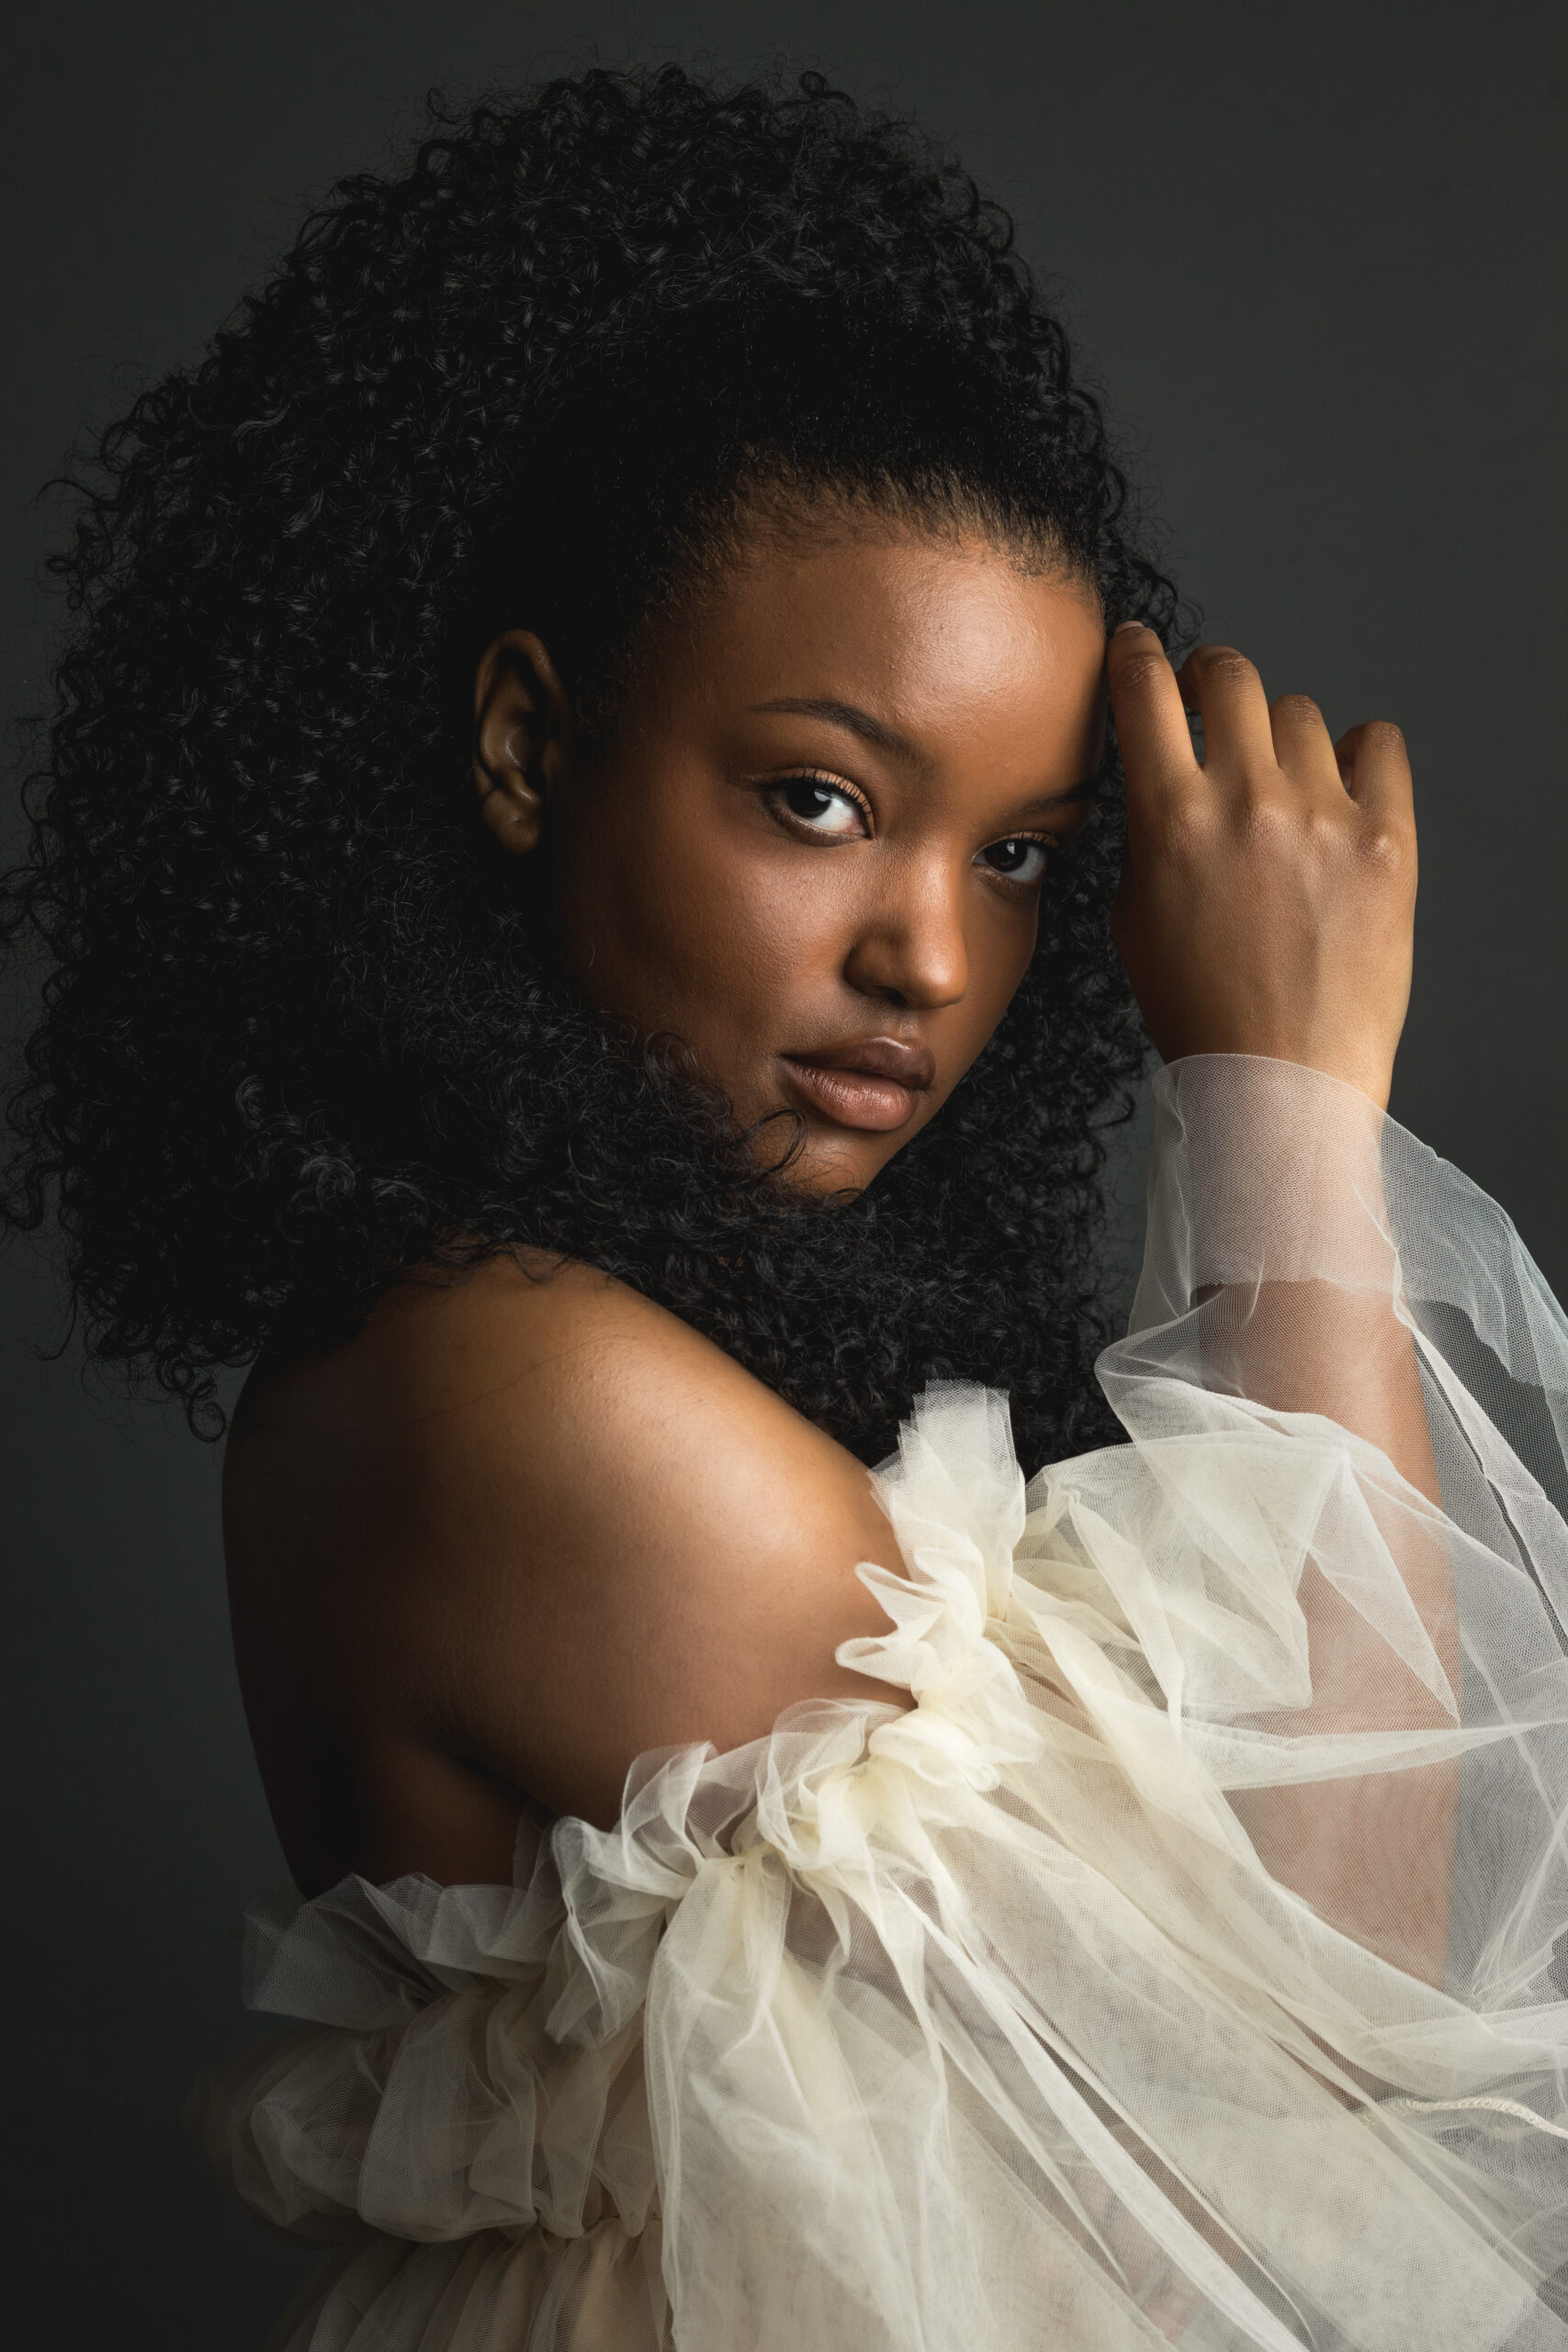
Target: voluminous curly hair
x,y
303,1034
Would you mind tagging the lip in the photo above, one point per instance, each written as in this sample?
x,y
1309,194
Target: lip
x,y
871,1083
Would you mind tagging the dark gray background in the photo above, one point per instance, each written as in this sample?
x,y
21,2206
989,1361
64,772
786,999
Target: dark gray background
x,y
1315,255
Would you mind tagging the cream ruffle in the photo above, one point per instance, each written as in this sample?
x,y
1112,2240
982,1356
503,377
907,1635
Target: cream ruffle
x,y
996,2022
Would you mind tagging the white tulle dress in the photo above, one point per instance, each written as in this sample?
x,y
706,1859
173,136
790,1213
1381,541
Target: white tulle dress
x,y
1187,1965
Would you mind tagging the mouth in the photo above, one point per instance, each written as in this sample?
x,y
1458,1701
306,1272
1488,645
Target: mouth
x,y
871,1083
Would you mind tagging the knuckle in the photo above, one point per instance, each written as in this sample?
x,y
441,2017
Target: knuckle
x,y
1188,829
1295,710
1385,848
1180,833
1140,670
1380,739
1268,817
1325,832
1226,663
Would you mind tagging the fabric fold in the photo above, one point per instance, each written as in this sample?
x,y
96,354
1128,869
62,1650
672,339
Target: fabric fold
x,y
1091,1999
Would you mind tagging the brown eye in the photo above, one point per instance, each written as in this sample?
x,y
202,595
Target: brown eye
x,y
1019,859
808,800
827,808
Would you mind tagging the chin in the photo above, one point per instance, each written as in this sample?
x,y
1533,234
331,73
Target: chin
x,y
830,1168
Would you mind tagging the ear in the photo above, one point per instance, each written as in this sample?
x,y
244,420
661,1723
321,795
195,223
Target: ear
x,y
521,737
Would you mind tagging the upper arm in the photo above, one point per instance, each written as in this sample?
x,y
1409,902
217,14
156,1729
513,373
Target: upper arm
x,y
614,1539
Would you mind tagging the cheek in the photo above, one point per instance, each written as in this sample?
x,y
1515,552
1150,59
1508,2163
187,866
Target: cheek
x,y
695,917
781,922
1003,947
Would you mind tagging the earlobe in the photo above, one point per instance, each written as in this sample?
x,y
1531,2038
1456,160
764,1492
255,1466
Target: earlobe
x,y
521,735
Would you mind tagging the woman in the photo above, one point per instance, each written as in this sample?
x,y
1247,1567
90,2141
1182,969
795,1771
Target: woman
x,y
580,827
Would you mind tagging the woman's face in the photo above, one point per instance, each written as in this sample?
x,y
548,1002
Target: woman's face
x,y
814,852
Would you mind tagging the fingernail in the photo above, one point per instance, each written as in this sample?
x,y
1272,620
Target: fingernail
x,y
1123,627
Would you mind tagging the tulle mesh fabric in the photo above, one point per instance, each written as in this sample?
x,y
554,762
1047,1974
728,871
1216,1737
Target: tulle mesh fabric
x,y
1187,1965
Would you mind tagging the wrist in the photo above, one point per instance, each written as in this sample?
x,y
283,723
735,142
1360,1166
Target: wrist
x,y
1265,1169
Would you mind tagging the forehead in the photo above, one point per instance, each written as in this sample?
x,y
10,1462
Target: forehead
x,y
941,635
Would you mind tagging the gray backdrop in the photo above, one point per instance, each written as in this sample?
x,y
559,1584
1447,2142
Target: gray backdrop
x,y
1315,255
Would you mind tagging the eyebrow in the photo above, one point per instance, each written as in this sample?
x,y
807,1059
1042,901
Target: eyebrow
x,y
888,738
1085,789
858,722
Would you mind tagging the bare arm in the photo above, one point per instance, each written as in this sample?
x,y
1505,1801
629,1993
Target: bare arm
x,y
514,1534
662,1552
1373,1855
1266,909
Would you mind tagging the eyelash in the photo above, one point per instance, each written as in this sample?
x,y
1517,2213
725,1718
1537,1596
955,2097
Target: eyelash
x,y
776,787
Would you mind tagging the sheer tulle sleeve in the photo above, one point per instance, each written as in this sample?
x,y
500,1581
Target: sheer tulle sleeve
x,y
1187,1965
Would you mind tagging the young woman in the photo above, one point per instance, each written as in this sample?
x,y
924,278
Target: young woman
x,y
581,852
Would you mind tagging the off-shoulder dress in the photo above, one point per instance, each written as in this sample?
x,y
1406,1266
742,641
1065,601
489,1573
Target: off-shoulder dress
x,y
1080,2005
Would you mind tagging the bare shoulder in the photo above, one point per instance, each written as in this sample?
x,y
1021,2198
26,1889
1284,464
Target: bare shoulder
x,y
560,1390
563,1528
440,1342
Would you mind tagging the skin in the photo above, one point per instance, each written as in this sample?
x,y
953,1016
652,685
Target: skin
x,y
959,719
518,1532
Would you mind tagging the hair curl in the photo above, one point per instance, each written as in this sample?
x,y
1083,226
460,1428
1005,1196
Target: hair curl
x,y
301,1036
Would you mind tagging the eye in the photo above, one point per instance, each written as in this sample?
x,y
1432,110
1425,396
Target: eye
x,y
1019,859
824,807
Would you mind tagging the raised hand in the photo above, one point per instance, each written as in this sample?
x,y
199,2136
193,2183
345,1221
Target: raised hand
x,y
1267,898
1265,907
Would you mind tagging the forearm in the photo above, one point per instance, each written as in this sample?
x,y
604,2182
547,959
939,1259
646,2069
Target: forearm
x,y
1280,1252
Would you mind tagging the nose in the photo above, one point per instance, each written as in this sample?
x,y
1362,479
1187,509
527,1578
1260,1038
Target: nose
x,y
909,947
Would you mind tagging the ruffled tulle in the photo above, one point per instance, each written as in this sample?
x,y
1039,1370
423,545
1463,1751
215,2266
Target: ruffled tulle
x,y
1043,2012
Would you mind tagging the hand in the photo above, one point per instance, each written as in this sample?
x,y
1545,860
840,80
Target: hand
x,y
1267,902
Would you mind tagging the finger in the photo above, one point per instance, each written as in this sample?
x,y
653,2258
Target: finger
x,y
1375,767
1145,702
1302,745
1228,693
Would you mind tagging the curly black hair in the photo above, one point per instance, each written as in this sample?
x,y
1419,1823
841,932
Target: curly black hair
x,y
303,1034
